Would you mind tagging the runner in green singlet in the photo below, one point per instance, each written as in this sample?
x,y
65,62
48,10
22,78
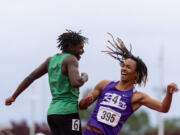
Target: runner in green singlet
x,y
64,81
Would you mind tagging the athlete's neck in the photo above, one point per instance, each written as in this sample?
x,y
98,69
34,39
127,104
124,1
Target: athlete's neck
x,y
124,86
67,52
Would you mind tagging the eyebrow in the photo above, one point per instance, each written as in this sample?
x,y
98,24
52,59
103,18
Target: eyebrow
x,y
126,64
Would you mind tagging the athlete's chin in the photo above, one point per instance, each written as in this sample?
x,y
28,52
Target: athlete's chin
x,y
124,79
79,57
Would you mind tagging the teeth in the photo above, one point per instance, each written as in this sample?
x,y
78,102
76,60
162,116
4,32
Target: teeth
x,y
124,73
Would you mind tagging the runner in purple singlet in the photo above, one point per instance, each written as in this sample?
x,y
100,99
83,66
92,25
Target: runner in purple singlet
x,y
116,101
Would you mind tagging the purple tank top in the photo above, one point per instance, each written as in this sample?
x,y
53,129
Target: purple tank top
x,y
112,109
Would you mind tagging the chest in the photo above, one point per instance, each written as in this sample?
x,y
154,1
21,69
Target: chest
x,y
115,99
113,106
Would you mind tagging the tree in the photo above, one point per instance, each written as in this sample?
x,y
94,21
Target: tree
x,y
137,124
22,128
172,124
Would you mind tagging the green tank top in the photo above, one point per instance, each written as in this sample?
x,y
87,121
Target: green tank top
x,y
64,96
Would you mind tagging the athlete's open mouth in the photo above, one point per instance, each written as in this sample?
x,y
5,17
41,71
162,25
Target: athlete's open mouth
x,y
123,73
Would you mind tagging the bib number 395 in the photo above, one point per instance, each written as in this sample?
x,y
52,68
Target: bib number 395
x,y
75,124
108,116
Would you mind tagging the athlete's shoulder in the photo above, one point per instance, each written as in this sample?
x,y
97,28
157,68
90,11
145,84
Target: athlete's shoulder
x,y
47,61
70,61
105,81
102,84
49,58
139,96
71,58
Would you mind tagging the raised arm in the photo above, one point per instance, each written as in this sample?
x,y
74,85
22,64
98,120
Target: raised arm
x,y
163,106
88,99
38,72
73,72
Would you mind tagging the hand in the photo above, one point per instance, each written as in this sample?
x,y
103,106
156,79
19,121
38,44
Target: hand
x,y
84,76
9,101
171,88
86,101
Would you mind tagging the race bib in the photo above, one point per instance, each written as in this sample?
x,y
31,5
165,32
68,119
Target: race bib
x,y
108,116
75,124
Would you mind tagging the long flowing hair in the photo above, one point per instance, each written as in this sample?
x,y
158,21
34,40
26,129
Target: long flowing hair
x,y
118,51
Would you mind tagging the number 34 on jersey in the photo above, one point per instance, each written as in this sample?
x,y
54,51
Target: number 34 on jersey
x,y
113,100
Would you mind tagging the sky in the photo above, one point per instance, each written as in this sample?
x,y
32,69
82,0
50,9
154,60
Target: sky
x,y
29,32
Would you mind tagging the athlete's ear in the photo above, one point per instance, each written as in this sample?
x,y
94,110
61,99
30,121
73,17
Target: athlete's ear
x,y
70,47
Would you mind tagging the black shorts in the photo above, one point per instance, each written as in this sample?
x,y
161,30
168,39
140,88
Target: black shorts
x,y
64,124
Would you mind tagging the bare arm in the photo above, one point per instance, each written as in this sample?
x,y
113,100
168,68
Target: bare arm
x,y
73,73
38,72
88,99
163,106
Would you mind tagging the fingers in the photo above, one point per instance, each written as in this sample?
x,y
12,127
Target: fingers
x,y
172,88
89,99
84,76
171,91
9,101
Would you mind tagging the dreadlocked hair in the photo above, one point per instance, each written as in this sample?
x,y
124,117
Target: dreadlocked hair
x,y
70,37
119,52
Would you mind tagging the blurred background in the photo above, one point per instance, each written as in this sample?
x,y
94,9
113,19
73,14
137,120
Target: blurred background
x,y
28,33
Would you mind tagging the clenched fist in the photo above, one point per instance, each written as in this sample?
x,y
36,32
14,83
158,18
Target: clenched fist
x,y
171,88
9,101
